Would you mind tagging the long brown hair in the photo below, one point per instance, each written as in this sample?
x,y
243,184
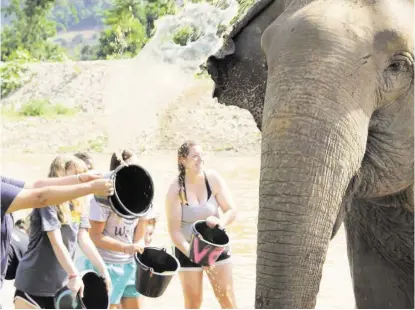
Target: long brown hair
x,y
182,153
60,167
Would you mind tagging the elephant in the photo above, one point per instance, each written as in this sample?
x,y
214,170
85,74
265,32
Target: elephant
x,y
330,84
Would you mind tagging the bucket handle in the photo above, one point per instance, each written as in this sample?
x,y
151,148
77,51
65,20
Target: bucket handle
x,y
146,268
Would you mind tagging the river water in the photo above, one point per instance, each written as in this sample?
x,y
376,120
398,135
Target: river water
x,y
241,173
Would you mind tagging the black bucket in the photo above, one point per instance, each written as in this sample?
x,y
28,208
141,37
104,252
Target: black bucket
x,y
207,244
134,191
155,269
64,300
95,294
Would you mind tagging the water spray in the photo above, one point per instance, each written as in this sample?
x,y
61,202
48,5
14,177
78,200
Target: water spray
x,y
140,89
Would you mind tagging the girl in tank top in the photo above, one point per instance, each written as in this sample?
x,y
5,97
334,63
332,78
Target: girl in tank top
x,y
198,194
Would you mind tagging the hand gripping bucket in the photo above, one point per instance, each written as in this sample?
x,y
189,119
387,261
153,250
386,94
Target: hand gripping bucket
x,y
207,244
134,191
155,269
95,294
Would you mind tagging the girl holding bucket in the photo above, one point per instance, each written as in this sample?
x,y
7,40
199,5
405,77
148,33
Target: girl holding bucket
x,y
48,263
196,195
117,240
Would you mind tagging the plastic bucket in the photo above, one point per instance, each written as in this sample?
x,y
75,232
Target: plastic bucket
x,y
155,269
95,294
63,299
207,244
133,194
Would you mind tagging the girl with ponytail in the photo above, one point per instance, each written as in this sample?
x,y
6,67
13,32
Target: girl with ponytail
x,y
117,240
198,194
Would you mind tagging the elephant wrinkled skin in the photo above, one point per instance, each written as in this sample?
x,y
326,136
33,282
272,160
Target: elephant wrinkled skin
x,y
331,86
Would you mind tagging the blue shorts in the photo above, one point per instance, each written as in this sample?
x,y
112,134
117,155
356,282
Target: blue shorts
x,y
122,278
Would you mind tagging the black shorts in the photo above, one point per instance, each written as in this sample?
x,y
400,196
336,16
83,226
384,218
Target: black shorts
x,y
42,302
187,265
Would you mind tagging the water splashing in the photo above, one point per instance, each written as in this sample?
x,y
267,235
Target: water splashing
x,y
139,89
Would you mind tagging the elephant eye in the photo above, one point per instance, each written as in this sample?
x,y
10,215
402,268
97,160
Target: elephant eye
x,y
401,63
398,75
397,66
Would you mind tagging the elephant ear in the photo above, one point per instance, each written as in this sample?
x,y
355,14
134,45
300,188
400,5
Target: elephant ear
x,y
228,48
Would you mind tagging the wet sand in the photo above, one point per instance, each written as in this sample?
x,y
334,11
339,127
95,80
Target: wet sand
x,y
241,173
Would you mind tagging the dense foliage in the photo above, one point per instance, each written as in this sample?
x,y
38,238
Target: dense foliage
x,y
35,31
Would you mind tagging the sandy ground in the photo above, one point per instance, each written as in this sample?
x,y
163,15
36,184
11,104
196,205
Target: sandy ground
x,y
242,175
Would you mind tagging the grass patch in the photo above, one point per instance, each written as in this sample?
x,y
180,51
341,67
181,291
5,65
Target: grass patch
x,y
69,148
38,108
222,148
98,144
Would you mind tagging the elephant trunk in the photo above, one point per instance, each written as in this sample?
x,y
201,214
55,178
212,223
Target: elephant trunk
x,y
312,146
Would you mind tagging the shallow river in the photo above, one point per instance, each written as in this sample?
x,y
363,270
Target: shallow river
x,y
242,176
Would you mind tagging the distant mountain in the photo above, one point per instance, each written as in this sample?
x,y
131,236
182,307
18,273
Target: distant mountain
x,y
79,22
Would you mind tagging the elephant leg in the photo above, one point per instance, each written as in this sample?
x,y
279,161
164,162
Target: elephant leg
x,y
380,239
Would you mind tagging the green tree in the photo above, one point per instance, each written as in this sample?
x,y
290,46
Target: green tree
x,y
155,9
131,24
126,34
29,30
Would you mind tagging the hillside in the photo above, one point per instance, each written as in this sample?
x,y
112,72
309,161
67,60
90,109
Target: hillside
x,y
82,85
80,23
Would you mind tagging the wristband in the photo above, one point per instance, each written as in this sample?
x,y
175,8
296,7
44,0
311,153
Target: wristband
x,y
78,177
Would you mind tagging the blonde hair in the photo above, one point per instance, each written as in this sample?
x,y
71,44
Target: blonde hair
x,y
61,166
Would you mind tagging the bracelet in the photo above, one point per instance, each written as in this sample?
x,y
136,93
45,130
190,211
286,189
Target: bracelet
x,y
78,177
72,275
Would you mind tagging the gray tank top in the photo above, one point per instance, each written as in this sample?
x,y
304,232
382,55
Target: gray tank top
x,y
193,213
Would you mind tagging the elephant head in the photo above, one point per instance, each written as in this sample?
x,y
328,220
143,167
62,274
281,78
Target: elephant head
x,y
337,129
238,68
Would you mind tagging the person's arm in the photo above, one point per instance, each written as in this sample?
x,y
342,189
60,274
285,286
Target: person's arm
x,y
66,180
52,227
53,195
224,199
75,283
91,252
140,231
174,215
61,252
97,219
145,228
109,243
150,227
